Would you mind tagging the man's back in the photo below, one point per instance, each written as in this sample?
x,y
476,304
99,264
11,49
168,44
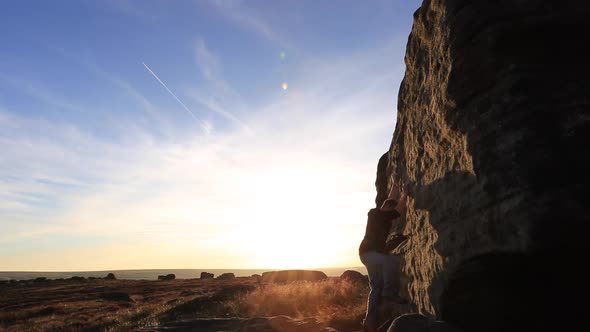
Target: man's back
x,y
377,230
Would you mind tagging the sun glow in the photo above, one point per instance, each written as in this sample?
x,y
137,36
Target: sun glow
x,y
290,247
291,226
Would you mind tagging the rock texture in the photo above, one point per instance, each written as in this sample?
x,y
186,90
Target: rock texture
x,y
492,135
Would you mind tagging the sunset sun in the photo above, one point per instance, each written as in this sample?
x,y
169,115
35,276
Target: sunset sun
x,y
292,247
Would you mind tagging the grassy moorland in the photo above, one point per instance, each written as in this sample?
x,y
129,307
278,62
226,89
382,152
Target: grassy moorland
x,y
124,305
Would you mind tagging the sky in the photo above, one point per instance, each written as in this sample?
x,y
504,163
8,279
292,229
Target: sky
x,y
193,134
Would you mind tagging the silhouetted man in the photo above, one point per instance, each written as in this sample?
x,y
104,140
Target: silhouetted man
x,y
383,268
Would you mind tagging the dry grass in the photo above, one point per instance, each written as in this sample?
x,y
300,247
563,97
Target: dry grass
x,y
324,300
123,305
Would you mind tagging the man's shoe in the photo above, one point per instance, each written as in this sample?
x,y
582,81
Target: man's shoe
x,y
369,329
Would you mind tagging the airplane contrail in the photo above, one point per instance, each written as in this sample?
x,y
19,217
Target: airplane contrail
x,y
175,97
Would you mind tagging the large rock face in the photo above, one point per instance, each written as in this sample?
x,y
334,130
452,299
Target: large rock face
x,y
492,134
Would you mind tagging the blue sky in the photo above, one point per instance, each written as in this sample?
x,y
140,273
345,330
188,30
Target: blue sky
x,y
159,134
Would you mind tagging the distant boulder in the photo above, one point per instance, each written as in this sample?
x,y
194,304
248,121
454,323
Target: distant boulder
x,y
226,276
110,276
207,275
167,277
293,275
354,277
76,278
40,279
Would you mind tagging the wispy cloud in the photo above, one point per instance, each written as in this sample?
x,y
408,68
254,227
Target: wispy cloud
x,y
212,105
127,89
41,93
211,70
209,64
211,67
312,152
237,12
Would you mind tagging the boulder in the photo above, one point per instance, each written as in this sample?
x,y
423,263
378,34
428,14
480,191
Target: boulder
x,y
293,275
110,276
207,275
354,277
226,276
492,137
510,291
167,277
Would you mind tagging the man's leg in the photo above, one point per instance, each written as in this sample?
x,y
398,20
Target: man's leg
x,y
374,265
391,275
392,279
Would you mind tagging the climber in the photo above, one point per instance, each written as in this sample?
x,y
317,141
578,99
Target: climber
x,y
383,268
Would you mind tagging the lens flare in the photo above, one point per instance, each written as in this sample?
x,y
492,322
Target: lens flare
x,y
285,86
283,55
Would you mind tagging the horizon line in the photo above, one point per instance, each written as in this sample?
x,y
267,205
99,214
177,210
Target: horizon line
x,y
151,269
